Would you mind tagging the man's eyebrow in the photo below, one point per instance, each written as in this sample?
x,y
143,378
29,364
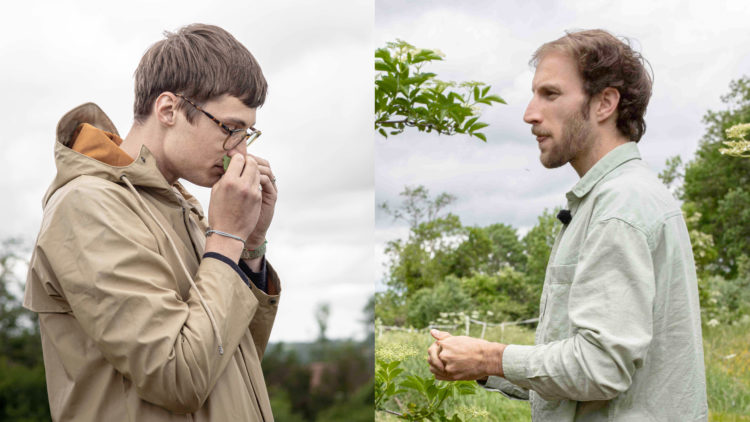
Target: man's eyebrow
x,y
236,122
546,87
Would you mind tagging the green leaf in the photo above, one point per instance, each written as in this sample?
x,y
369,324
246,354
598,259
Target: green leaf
x,y
485,90
478,125
495,98
476,93
413,382
383,67
480,136
384,55
382,132
465,388
470,122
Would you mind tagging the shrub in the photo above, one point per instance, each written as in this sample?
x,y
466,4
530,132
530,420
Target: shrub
x,y
427,303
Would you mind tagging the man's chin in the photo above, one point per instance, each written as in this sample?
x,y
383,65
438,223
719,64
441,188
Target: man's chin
x,y
208,179
549,163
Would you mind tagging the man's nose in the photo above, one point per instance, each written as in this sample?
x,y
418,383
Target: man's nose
x,y
241,148
531,115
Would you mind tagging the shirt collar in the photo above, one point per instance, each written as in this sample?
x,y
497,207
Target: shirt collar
x,y
613,159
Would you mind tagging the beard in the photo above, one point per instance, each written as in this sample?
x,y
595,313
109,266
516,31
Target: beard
x,y
575,136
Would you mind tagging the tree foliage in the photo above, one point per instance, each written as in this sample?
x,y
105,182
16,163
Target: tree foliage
x,y
405,96
444,266
23,388
716,185
422,259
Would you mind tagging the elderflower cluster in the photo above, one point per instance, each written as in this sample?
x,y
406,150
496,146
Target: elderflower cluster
x,y
738,131
739,147
450,318
736,148
471,412
394,352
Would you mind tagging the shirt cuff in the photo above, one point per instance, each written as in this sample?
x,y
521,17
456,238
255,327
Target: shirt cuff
x,y
229,262
515,363
504,387
260,279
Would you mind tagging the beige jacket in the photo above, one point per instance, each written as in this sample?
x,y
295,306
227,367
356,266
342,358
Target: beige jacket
x,y
132,318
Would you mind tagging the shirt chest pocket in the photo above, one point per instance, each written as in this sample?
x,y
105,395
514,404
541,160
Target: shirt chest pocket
x,y
554,323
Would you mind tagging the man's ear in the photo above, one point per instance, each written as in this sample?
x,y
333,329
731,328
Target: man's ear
x,y
165,108
609,99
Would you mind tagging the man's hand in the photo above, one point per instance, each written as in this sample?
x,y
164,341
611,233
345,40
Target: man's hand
x,y
454,358
235,206
267,180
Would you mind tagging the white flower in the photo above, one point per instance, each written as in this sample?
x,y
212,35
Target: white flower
x,y
713,323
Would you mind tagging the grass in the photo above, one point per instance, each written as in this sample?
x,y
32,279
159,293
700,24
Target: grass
x,y
727,357
727,354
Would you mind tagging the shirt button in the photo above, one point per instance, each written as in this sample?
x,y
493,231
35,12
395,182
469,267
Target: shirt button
x,y
272,301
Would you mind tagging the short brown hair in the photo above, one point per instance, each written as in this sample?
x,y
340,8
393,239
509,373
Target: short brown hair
x,y
201,62
606,61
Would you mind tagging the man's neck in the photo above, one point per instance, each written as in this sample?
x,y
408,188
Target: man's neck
x,y
601,146
150,137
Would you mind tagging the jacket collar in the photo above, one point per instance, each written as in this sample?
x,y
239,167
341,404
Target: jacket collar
x,y
143,172
613,159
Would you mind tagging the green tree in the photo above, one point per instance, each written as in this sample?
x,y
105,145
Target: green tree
x,y
507,249
505,294
716,185
405,96
23,389
391,307
426,304
422,259
538,244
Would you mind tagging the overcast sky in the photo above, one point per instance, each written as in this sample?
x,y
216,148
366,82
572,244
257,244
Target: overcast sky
x,y
695,49
316,123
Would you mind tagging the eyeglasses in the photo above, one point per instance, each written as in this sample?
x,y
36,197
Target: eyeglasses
x,y
235,136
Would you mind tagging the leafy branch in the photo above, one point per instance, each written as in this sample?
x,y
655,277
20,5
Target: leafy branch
x,y
405,96
431,393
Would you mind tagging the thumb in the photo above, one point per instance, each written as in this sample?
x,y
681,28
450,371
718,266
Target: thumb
x,y
439,335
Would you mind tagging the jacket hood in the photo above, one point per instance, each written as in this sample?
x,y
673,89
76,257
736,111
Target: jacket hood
x,y
143,172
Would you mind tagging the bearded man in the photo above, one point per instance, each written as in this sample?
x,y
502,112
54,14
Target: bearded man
x,y
619,333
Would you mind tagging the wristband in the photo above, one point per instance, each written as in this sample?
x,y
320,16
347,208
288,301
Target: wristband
x,y
254,253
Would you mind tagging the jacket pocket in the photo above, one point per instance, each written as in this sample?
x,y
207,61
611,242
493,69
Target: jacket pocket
x,y
554,323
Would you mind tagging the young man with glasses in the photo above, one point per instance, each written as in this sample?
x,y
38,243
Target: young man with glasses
x,y
148,309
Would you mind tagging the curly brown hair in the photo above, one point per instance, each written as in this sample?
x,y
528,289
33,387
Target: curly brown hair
x,y
606,61
201,62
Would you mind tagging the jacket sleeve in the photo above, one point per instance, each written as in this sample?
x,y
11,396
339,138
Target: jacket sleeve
x,y
610,310
262,322
123,293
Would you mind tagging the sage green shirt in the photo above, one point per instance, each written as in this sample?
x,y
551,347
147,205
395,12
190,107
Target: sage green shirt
x,y
619,334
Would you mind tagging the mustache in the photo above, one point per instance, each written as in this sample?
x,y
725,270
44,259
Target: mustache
x,y
539,132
